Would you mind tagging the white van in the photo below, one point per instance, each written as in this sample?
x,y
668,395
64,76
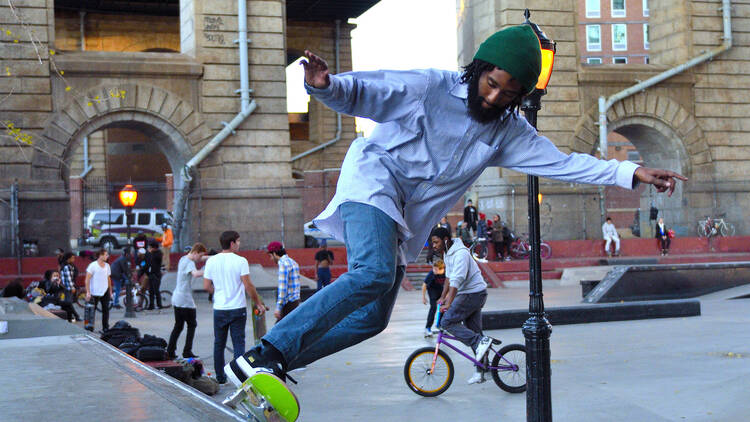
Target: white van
x,y
107,229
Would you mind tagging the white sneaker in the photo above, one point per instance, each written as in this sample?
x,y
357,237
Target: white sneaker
x,y
477,378
427,332
482,347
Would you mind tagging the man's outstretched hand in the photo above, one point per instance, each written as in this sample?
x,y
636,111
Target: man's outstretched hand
x,y
663,180
316,70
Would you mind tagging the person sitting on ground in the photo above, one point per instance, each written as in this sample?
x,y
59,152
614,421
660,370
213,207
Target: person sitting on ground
x,y
433,286
62,297
15,289
182,300
662,233
463,297
609,232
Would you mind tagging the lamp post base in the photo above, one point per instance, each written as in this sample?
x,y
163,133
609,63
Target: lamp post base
x,y
129,312
537,332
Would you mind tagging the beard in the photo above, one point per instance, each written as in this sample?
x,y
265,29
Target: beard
x,y
476,111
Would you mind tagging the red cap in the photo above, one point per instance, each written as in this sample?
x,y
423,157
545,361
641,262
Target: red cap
x,y
482,216
274,247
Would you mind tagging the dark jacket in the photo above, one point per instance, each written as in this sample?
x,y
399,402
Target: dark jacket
x,y
658,233
121,268
471,215
153,261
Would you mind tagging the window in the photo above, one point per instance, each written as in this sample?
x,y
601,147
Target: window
x,y
108,218
144,218
593,38
645,7
161,219
647,60
593,8
618,8
645,36
620,60
634,156
594,60
619,37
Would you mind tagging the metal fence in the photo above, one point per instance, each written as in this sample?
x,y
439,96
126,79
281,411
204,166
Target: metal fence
x,y
265,214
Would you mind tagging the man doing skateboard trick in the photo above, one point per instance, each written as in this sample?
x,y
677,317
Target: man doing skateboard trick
x,y
438,130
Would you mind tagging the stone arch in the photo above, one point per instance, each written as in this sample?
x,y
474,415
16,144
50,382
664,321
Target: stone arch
x,y
677,126
170,120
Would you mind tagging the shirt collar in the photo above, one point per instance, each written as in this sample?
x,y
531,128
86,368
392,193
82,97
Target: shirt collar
x,y
460,90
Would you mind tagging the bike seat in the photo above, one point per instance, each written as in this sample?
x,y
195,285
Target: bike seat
x,y
495,341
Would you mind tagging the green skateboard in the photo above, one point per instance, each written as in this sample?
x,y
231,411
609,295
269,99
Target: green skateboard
x,y
264,397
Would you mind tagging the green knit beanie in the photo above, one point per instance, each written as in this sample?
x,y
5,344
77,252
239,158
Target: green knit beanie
x,y
515,50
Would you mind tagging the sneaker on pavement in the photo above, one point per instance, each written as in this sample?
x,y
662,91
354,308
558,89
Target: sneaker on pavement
x,y
482,347
427,332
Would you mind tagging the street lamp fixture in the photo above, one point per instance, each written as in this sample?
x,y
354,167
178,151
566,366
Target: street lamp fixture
x,y
128,195
537,329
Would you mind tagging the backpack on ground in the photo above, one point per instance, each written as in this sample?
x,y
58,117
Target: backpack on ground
x,y
151,353
206,385
149,340
130,347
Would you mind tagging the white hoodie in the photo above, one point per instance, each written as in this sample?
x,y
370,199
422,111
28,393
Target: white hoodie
x,y
462,271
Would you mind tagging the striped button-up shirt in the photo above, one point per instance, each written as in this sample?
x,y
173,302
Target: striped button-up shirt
x,y
426,150
66,275
288,290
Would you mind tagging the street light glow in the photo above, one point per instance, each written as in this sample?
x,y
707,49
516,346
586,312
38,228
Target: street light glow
x,y
128,196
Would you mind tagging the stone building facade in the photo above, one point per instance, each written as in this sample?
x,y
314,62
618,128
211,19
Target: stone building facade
x,y
171,75
692,123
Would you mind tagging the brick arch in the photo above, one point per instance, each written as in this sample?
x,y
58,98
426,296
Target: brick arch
x,y
663,111
178,127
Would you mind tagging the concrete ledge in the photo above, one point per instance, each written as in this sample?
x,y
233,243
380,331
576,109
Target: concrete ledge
x,y
497,320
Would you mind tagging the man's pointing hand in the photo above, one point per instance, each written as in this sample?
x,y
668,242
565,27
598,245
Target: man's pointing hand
x,y
663,180
316,71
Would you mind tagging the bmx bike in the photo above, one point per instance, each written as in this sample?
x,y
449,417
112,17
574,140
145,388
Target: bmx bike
x,y
429,372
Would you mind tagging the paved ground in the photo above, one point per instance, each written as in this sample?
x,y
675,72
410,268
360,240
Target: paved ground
x,y
681,369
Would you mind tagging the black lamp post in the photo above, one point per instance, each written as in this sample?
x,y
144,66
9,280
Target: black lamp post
x,y
537,328
128,196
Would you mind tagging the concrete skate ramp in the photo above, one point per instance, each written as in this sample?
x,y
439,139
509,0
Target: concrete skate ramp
x,y
655,282
46,373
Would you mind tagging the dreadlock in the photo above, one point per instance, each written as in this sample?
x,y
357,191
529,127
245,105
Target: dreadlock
x,y
475,69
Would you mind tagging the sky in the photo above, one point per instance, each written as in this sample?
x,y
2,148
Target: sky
x,y
393,34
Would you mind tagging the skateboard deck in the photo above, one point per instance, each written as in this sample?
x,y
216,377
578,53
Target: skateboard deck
x,y
259,325
264,397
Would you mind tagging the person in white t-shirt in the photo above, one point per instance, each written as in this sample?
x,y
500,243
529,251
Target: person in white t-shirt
x,y
182,300
225,275
99,285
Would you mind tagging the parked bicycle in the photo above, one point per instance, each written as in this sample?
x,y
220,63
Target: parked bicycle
x,y
429,372
140,298
479,248
521,248
709,227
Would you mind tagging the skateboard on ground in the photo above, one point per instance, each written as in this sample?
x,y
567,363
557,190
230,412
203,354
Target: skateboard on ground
x,y
89,313
264,397
259,324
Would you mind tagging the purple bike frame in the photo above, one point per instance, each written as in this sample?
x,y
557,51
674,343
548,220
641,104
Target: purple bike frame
x,y
440,340
509,367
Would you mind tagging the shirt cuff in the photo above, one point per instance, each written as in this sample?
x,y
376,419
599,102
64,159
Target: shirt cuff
x,y
624,176
321,92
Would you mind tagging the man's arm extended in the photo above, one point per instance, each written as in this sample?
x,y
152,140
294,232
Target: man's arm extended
x,y
379,95
208,285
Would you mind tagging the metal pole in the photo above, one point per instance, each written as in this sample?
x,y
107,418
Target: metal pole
x,y
537,328
282,215
129,311
15,225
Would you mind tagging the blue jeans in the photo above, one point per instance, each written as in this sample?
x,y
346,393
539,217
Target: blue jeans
x,y
324,277
231,320
117,287
358,305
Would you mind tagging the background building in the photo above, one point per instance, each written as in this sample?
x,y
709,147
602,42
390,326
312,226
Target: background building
x,y
613,31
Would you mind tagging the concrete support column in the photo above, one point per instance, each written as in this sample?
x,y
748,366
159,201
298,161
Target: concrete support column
x,y
76,209
170,191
